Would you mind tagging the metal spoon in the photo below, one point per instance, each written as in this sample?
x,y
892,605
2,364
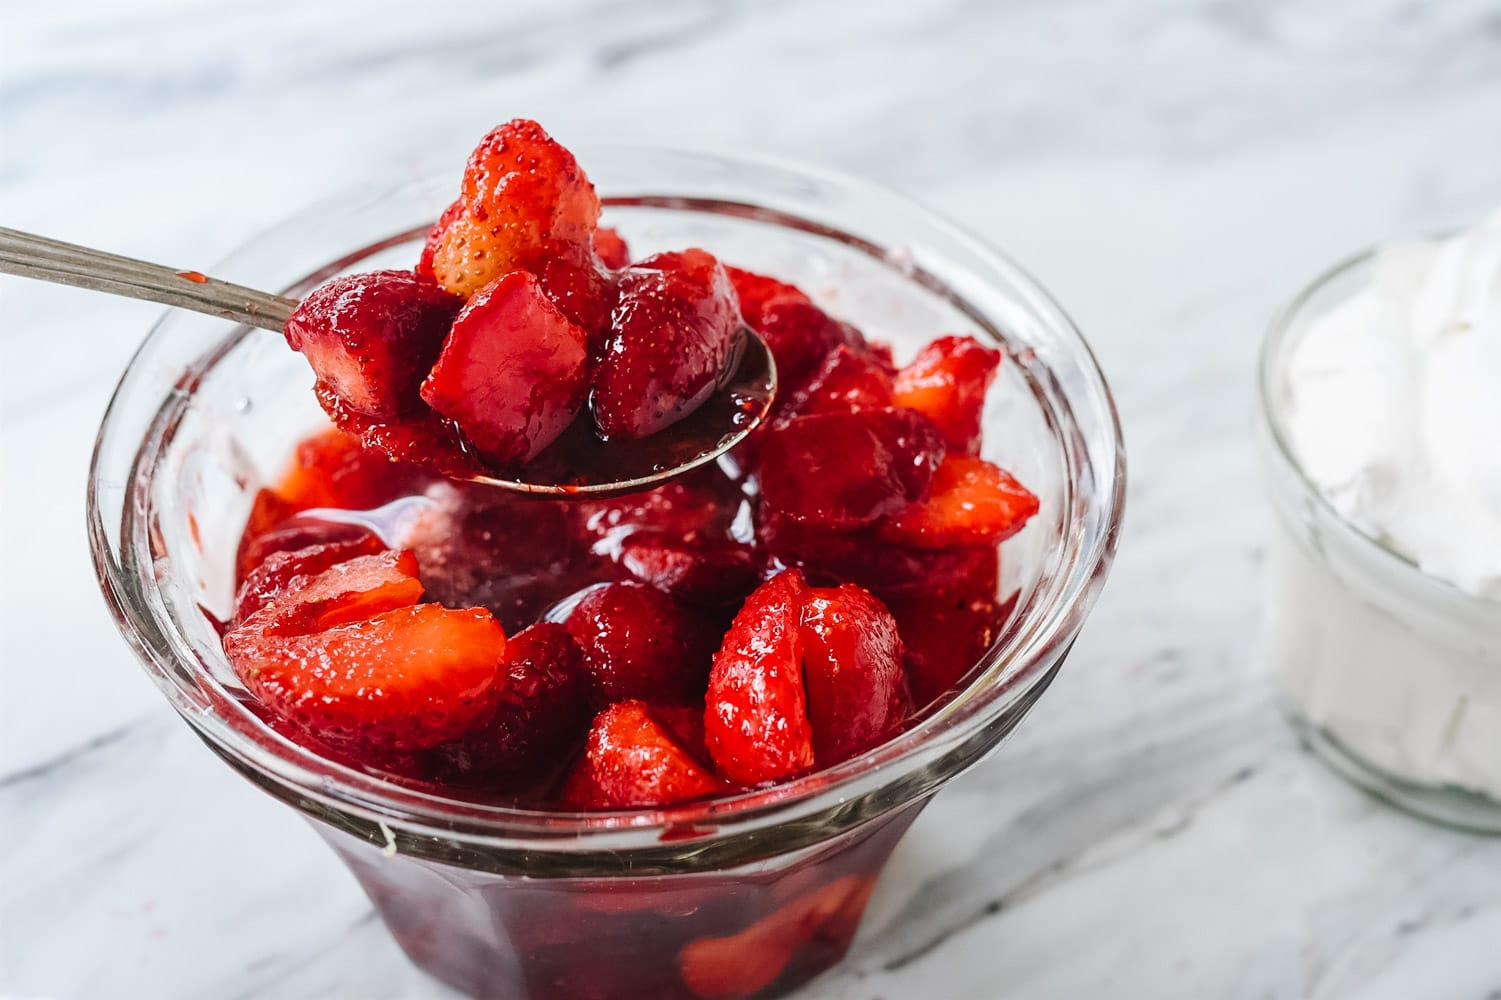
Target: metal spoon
x,y
579,464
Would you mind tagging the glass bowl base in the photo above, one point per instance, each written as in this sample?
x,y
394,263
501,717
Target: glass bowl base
x,y
1444,804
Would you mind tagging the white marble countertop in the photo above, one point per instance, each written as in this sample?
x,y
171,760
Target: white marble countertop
x,y
1173,170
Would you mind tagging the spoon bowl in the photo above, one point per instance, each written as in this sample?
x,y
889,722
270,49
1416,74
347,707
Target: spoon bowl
x,y
579,464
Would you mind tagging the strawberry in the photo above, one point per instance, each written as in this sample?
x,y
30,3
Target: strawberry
x,y
843,470
610,248
512,554
371,338
406,679
541,714
346,591
709,573
283,569
575,281
639,643
847,380
852,672
755,718
947,623
428,441
672,331
742,965
754,291
350,657
632,759
513,372
972,502
947,381
520,190
800,336
333,469
437,235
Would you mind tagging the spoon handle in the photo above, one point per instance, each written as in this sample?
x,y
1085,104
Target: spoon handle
x,y
45,259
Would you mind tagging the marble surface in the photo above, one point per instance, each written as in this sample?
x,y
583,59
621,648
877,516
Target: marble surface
x,y
1172,169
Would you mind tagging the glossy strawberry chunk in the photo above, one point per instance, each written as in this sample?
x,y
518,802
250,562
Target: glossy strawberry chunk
x,y
947,622
346,591
437,235
406,679
743,964
371,338
333,469
852,672
972,502
513,372
541,713
610,248
520,190
284,569
801,336
754,291
576,282
843,470
633,760
514,555
756,717
673,328
847,380
639,643
347,655
947,381
711,573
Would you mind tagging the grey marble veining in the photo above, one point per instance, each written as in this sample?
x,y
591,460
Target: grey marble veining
x,y
1172,169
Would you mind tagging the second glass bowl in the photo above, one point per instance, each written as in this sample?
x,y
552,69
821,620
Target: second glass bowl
x,y
1393,676
746,895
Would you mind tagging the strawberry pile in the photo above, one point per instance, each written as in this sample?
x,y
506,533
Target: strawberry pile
x,y
521,312
741,626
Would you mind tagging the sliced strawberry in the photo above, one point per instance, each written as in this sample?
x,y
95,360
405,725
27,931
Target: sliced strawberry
x,y
843,470
696,507
710,573
672,331
283,569
333,469
742,965
515,555
852,672
521,189
345,592
947,381
577,284
513,372
972,502
429,441
756,719
632,759
639,643
754,291
848,380
437,235
947,624
610,248
862,556
371,338
406,679
800,336
541,715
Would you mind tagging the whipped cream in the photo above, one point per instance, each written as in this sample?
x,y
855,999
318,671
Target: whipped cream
x,y
1391,402
1393,406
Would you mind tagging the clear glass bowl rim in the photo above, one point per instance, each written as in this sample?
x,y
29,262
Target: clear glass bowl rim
x,y
947,741
1273,348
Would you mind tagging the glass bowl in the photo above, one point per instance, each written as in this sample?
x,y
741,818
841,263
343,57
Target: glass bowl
x,y
1391,675
746,895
